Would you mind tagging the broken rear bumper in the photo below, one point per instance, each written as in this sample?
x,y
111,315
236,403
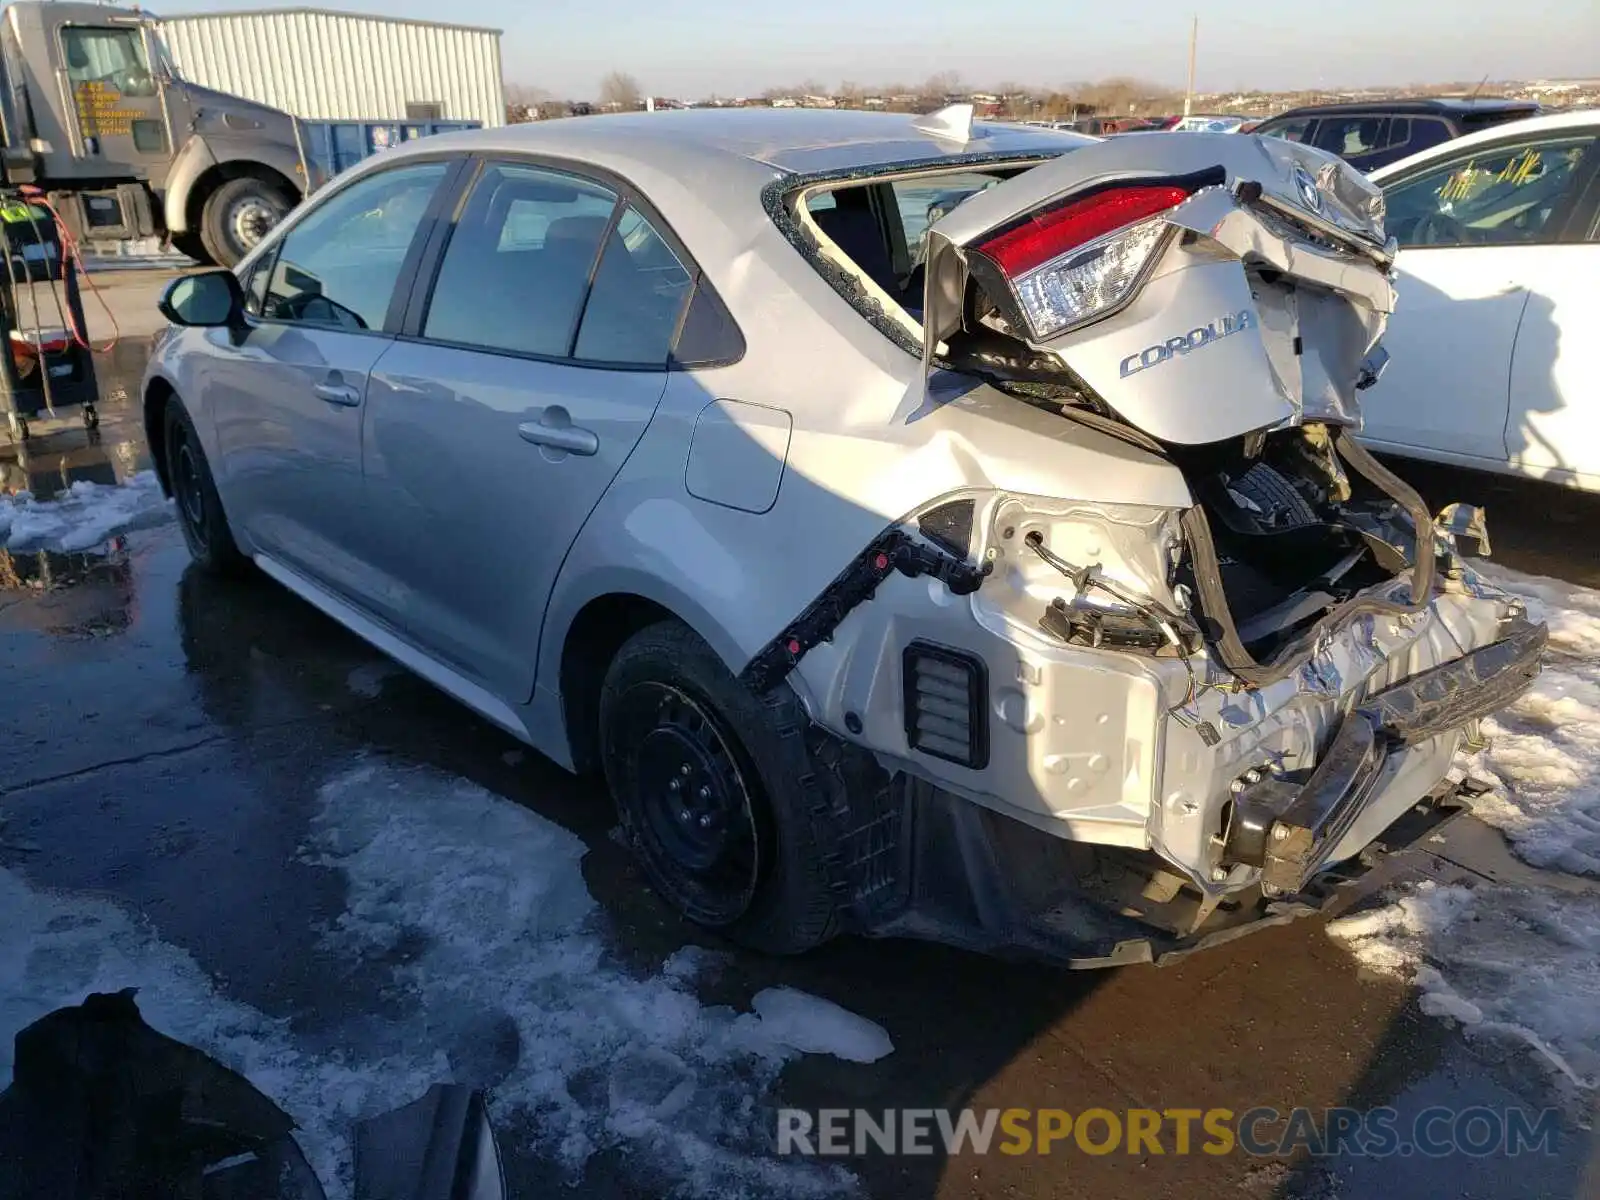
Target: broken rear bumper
x,y
1290,830
920,861
936,868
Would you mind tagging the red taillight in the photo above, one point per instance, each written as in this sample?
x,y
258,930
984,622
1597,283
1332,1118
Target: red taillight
x,y
1051,234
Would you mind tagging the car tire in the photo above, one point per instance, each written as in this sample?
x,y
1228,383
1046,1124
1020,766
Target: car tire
x,y
710,782
200,515
192,245
1274,497
238,215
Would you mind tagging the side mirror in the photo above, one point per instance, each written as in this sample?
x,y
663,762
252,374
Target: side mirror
x,y
206,299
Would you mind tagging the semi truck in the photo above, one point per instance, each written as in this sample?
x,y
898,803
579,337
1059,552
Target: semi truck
x,y
94,114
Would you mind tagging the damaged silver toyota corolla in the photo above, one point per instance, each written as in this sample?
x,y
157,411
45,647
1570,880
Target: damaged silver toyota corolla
x,y
929,528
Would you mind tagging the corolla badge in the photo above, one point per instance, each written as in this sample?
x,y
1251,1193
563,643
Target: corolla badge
x,y
1212,331
1310,193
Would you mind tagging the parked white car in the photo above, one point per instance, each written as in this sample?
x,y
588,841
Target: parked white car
x,y
1209,124
1496,335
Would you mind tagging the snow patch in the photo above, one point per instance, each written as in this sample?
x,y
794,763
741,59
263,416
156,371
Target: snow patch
x,y
1544,751
55,949
83,517
479,911
1508,961
496,972
787,1020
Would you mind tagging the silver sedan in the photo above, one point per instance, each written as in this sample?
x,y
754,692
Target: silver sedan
x,y
926,526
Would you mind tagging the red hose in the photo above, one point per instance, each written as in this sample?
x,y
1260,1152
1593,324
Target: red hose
x,y
71,251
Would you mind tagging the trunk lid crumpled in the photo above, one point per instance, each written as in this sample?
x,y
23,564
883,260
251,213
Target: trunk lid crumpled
x,y
1272,287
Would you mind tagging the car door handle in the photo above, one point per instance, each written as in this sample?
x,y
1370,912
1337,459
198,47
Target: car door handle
x,y
338,393
555,429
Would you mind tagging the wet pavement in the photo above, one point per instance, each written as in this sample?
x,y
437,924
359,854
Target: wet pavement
x,y
166,737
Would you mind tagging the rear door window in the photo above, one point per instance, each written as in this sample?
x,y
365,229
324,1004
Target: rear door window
x,y
1426,132
639,291
1297,130
339,265
517,269
923,201
1351,137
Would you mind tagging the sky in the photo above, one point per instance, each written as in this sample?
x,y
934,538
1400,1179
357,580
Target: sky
x,y
694,48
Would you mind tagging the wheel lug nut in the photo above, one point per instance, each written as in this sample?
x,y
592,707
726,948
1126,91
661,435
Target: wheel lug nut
x,y
674,787
705,821
684,814
683,770
705,792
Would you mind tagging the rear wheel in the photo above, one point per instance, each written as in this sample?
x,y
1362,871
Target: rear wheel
x,y
238,215
200,515
709,784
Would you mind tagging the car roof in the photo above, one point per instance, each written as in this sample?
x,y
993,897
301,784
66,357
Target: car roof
x,y
1452,105
755,140
1550,122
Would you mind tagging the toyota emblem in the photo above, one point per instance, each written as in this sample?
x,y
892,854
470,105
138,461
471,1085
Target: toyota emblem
x,y
1310,194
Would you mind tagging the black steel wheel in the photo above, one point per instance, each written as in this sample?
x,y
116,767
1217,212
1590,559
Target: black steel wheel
x,y
200,515
709,781
693,819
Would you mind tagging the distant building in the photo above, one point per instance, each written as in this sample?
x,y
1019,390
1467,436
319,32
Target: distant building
x,y
335,66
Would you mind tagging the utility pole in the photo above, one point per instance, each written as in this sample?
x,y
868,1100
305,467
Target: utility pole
x,y
1188,95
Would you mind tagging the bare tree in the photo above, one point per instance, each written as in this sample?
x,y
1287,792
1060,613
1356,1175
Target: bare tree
x,y
939,85
523,101
1123,97
851,94
525,94
621,90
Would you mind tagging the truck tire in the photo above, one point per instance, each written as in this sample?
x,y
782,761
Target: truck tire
x,y
238,215
710,782
192,245
200,515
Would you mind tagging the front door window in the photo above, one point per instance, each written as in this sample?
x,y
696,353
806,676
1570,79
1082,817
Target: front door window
x,y
1506,194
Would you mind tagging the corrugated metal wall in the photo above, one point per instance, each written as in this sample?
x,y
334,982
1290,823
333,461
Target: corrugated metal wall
x,y
331,66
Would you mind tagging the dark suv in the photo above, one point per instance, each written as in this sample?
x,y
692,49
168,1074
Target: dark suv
x,y
1373,134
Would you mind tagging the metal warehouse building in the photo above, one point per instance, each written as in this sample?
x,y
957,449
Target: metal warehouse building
x,y
334,66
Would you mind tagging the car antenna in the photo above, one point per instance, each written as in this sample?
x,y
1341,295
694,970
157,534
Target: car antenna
x,y
953,122
1479,88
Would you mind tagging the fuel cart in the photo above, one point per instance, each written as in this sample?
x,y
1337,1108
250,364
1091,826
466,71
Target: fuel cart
x,y
46,364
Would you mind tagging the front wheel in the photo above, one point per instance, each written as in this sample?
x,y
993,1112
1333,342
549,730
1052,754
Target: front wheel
x,y
200,515
238,215
709,784
192,245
